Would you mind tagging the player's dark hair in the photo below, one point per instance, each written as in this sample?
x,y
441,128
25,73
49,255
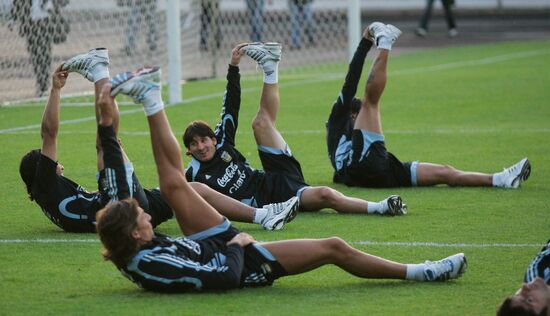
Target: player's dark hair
x,y
197,128
27,169
355,105
115,224
508,309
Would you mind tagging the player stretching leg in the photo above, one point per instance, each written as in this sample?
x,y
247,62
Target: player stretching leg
x,y
216,255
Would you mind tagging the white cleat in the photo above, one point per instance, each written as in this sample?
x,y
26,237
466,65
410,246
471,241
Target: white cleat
x,y
85,63
263,52
393,33
451,267
516,174
379,30
138,84
280,213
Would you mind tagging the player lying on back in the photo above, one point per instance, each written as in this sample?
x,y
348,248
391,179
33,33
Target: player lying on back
x,y
72,208
218,163
355,140
533,298
215,255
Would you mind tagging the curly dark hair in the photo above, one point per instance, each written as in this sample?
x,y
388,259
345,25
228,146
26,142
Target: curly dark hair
x,y
115,224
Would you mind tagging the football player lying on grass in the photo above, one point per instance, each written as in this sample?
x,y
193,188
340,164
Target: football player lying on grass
x,y
217,162
215,255
355,141
72,208
533,298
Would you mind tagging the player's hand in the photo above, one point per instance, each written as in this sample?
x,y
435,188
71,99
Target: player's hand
x,y
367,35
237,53
59,78
242,239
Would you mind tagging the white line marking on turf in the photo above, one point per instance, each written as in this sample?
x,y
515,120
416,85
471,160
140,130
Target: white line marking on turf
x,y
443,245
325,78
362,242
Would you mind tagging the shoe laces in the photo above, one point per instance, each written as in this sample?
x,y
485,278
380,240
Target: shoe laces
x,y
513,169
139,90
256,54
276,208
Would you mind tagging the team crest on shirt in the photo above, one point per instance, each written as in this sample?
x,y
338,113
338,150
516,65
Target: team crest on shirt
x,y
226,156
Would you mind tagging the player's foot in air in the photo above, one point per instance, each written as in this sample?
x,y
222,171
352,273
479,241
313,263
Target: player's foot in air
x,y
137,84
448,268
92,65
513,177
280,213
263,52
383,35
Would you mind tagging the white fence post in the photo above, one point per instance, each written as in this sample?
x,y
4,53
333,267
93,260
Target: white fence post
x,y
354,26
174,50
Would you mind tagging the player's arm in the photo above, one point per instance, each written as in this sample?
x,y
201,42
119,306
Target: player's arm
x,y
227,128
354,72
50,119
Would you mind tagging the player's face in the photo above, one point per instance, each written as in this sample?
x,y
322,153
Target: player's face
x,y
59,169
534,296
144,230
202,148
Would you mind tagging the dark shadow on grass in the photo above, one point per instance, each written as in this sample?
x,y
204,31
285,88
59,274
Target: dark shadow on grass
x,y
293,290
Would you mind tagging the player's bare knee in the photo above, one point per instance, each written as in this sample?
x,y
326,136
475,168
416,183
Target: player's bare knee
x,y
328,195
170,183
371,103
450,174
261,122
338,247
199,187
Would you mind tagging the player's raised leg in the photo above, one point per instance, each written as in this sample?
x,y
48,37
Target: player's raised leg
x,y
94,66
368,118
192,212
267,55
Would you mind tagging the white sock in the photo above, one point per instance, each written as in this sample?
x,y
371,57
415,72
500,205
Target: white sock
x,y
271,72
377,207
497,180
384,43
100,71
415,272
153,103
259,215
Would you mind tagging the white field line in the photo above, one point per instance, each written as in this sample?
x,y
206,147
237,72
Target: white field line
x,y
324,78
322,131
361,242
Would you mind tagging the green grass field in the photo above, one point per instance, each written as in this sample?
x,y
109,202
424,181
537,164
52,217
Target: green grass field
x,y
477,108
